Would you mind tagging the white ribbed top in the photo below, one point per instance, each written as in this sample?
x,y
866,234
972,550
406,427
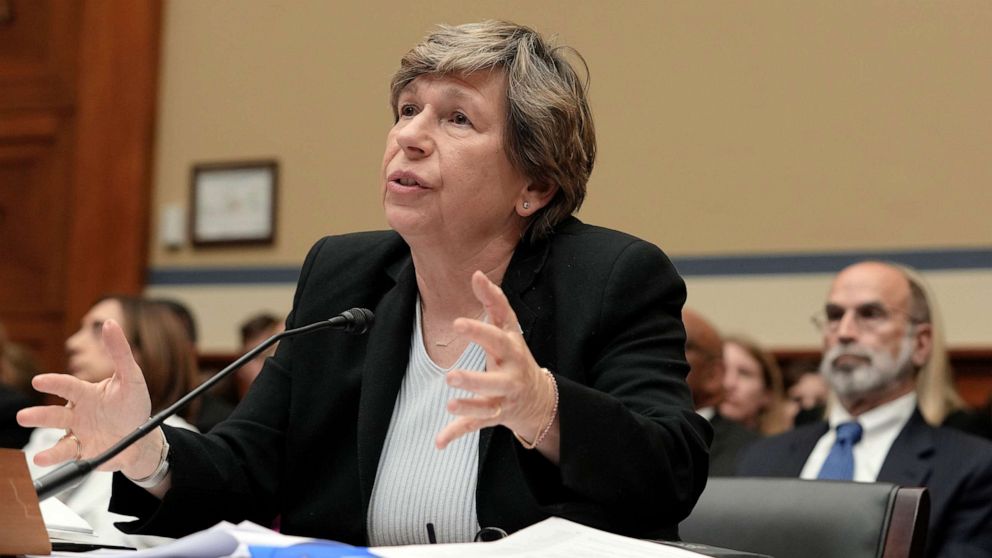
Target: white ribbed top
x,y
416,483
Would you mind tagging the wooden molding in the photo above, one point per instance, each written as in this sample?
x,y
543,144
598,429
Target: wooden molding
x,y
78,93
112,167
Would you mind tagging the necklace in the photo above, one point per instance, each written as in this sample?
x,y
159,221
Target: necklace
x,y
450,341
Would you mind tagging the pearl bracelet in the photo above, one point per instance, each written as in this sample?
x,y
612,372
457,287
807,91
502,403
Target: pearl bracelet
x,y
551,420
158,475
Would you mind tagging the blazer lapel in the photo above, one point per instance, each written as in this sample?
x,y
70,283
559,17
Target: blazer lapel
x,y
799,448
386,360
524,267
910,459
388,352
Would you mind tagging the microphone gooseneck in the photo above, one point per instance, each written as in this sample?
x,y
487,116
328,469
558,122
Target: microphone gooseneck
x,y
355,321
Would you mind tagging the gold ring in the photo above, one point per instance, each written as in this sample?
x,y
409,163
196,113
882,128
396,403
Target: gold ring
x,y
70,435
498,411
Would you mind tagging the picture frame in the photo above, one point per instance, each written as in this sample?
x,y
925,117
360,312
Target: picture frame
x,y
233,203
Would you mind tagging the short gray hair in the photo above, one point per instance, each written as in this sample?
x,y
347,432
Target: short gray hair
x,y
549,133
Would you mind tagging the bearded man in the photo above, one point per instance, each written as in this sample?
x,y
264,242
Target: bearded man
x,y
877,334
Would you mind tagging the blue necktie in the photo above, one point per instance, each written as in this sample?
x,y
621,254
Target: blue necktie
x,y
840,461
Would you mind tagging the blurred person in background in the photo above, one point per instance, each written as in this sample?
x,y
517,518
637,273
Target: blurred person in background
x,y
211,407
223,397
254,330
160,342
807,392
704,351
754,393
936,393
17,366
939,399
185,317
877,338
973,421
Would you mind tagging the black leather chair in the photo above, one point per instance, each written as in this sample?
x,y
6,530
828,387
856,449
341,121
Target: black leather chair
x,y
793,518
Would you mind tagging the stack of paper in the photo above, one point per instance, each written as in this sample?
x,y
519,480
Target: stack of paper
x,y
245,540
554,537
64,525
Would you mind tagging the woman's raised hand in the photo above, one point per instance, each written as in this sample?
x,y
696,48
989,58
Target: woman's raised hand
x,y
513,391
97,415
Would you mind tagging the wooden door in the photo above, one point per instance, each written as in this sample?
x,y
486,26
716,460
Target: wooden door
x,y
77,102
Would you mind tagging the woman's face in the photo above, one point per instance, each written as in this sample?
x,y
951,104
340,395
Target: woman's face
x,y
88,359
744,384
250,370
445,173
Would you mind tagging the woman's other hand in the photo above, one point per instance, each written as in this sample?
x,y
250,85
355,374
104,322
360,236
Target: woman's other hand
x,y
514,391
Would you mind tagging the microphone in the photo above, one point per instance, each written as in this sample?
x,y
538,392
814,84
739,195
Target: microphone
x,y
355,321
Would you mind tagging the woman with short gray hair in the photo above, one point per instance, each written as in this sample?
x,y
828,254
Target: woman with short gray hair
x,y
522,363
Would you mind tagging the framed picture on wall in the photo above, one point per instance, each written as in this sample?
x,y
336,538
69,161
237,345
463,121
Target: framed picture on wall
x,y
233,203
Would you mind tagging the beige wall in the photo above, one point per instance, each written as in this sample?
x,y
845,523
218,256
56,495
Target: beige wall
x,y
724,127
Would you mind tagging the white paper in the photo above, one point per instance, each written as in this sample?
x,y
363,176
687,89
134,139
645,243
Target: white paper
x,y
60,517
552,538
57,535
221,540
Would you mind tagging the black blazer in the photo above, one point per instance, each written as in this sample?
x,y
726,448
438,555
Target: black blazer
x,y
955,467
599,308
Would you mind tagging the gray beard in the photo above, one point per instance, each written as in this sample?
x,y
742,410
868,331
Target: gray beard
x,y
881,370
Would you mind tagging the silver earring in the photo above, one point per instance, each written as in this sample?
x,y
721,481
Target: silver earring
x,y
526,205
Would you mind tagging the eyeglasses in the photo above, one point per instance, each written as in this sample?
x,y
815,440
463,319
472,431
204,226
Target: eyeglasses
x,y
486,534
868,317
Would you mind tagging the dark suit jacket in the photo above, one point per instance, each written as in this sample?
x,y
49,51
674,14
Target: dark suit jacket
x,y
729,440
955,467
599,308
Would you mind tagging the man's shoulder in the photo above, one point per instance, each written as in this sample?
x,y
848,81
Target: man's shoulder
x,y
948,443
803,432
782,454
953,464
960,447
959,477
727,428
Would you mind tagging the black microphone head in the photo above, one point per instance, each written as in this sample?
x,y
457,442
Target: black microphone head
x,y
359,320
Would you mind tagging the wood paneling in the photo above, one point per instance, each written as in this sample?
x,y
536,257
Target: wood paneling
x,y
37,54
113,155
78,85
34,148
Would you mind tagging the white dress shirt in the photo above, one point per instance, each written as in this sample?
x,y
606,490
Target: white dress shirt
x,y
707,412
880,425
